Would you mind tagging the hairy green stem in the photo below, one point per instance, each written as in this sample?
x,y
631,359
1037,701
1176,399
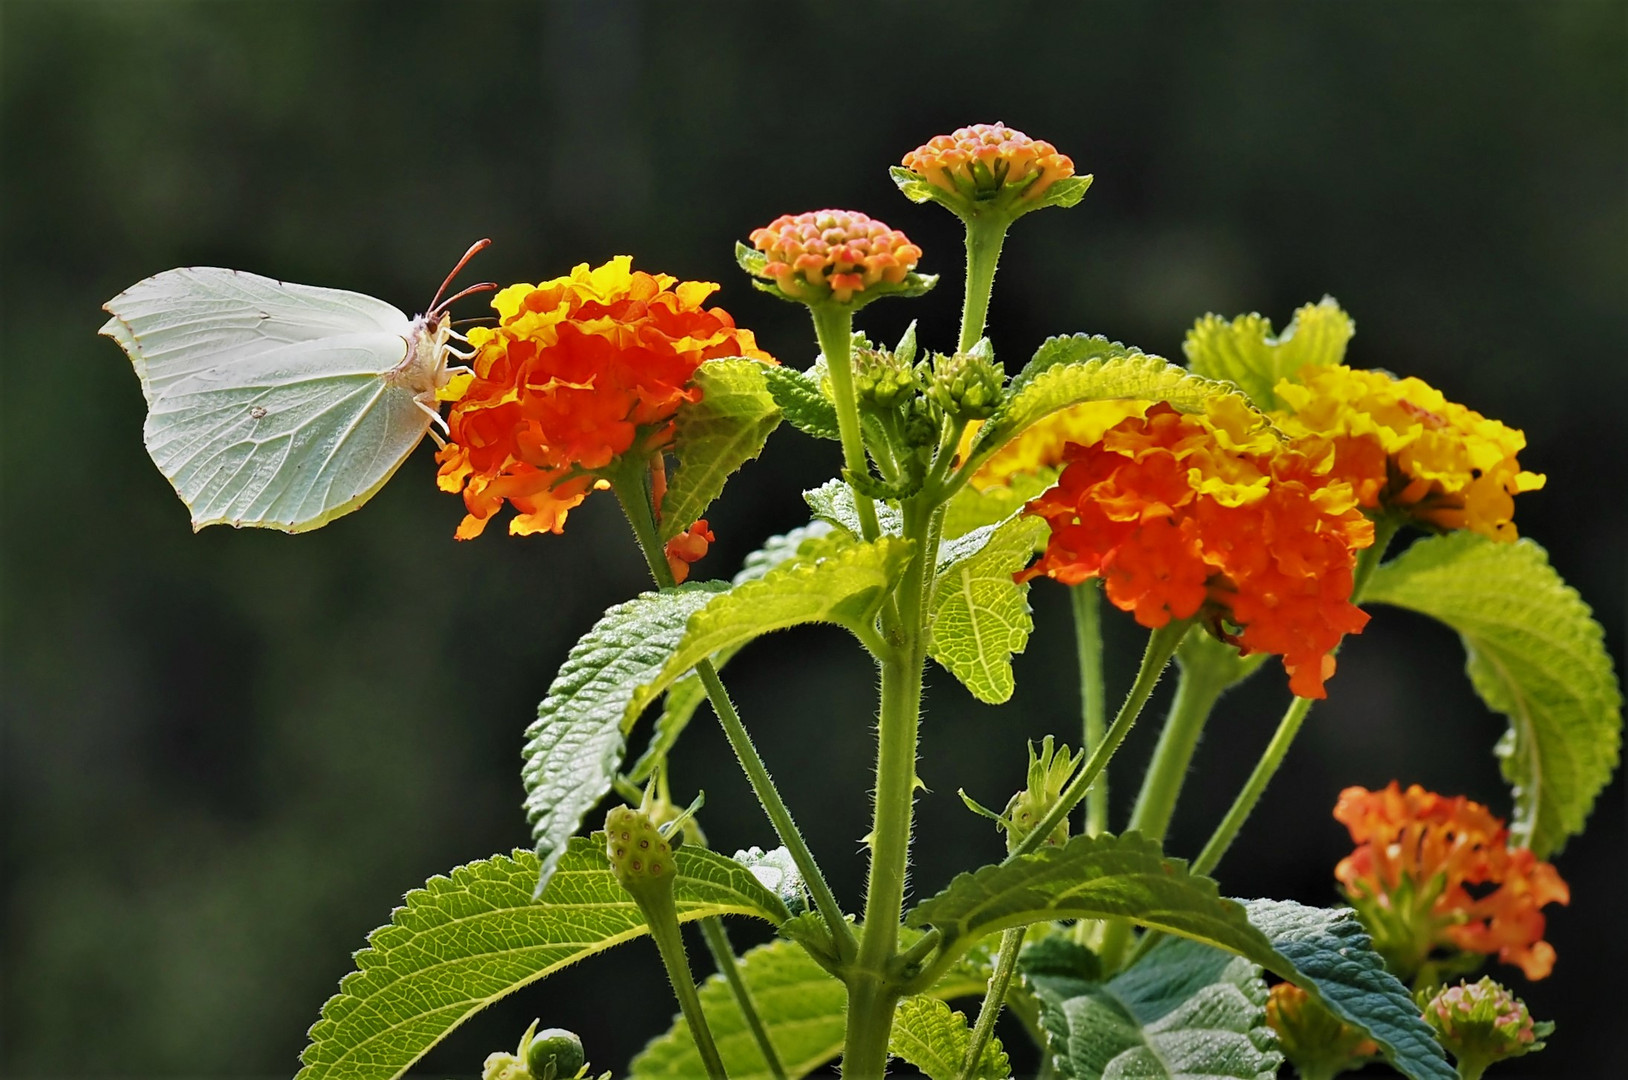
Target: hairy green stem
x,y
1272,758
1086,602
635,500
662,919
994,998
723,955
984,239
1161,646
834,327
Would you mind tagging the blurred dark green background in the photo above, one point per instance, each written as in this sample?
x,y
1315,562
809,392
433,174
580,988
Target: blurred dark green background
x,y
228,755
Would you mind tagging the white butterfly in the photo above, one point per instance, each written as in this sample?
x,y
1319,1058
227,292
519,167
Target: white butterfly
x,y
279,405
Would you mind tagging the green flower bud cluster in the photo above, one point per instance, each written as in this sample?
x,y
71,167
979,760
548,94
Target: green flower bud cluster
x,y
640,857
1481,1023
1049,773
969,385
550,1054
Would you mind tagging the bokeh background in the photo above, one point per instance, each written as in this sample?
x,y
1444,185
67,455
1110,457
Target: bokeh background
x,y
226,756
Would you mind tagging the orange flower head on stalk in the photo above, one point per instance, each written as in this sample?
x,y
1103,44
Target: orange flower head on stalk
x,y
989,167
1403,445
1433,872
1212,516
578,373
833,254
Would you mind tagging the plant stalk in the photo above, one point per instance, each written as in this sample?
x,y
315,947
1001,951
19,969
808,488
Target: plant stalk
x,y
985,236
723,955
635,500
834,328
994,998
662,920
1085,600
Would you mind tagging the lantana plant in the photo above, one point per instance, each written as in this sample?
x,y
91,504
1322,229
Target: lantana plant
x,y
1260,502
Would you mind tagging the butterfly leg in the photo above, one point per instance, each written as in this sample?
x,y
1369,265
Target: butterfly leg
x,y
437,420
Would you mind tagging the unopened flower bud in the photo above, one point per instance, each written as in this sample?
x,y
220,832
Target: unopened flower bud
x,y
1049,773
1316,1042
839,255
555,1054
1482,1023
969,385
990,168
882,379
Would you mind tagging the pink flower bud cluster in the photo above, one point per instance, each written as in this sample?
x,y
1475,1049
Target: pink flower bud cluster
x,y
842,250
987,157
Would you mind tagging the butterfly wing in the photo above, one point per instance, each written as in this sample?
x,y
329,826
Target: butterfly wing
x,y
269,404
184,322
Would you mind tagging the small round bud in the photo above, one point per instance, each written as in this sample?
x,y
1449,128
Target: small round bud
x,y
969,385
1482,1023
882,380
834,255
639,855
555,1054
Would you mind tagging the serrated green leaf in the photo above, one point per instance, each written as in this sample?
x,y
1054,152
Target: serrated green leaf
x,y
970,508
1185,1010
833,502
803,1008
464,941
1331,956
716,435
1127,877
834,579
1536,655
1070,371
575,746
802,401
1065,192
1245,352
978,616
928,1035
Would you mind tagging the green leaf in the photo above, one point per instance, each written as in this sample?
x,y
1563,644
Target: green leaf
x,y
1069,371
1536,655
802,401
833,502
935,1040
575,745
715,436
1331,956
970,508
834,579
1065,192
464,941
1185,1010
1245,352
978,616
1095,877
803,1009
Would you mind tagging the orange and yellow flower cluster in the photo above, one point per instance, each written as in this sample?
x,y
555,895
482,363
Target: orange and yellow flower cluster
x,y
833,252
1403,445
978,161
578,372
1182,515
1434,871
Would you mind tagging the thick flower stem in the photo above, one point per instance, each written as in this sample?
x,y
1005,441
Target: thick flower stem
x,y
985,235
994,998
1086,602
834,327
723,954
1226,832
635,500
663,922
1161,646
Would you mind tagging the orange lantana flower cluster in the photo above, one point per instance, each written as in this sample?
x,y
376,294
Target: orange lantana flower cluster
x,y
979,160
842,251
1182,515
1434,871
578,372
1403,445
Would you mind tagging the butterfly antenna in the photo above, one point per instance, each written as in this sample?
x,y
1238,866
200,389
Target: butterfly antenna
x,y
474,249
485,286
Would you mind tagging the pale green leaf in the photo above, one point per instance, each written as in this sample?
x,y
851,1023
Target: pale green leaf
x,y
464,941
978,616
833,502
833,579
802,401
1244,351
803,1008
1537,656
1069,371
715,436
1185,1010
970,508
1128,877
935,1040
575,746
